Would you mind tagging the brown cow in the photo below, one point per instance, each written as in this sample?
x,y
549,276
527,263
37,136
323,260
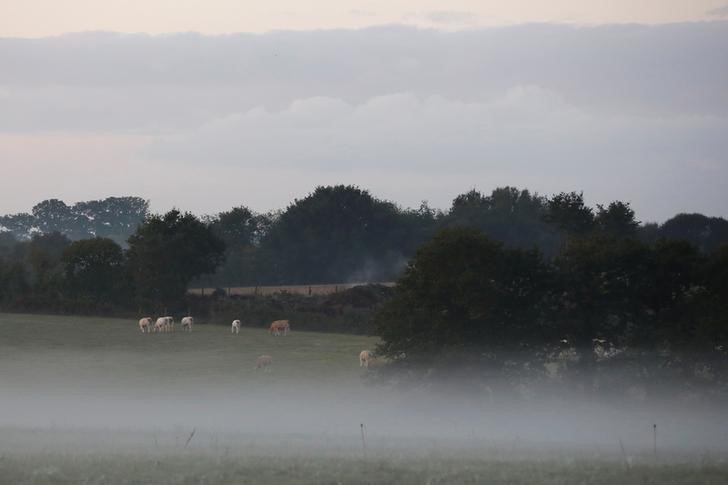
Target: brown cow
x,y
263,361
279,325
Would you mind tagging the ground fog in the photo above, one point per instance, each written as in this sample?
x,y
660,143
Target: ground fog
x,y
77,392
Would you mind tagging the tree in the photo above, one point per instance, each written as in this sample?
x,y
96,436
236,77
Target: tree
x,y
599,281
509,215
568,212
338,233
242,230
94,269
53,215
714,316
460,296
13,282
648,233
42,257
7,242
240,227
113,217
617,219
167,252
706,233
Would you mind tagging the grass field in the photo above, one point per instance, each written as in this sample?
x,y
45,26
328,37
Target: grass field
x,y
84,348
92,400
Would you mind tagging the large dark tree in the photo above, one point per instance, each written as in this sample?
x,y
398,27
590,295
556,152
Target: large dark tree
x,y
706,233
94,269
464,295
601,283
167,252
335,234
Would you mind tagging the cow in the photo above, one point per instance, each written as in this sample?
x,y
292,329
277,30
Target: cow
x,y
145,324
365,358
164,324
263,361
187,323
279,326
235,327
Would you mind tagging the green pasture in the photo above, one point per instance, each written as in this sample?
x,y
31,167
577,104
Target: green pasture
x,y
50,348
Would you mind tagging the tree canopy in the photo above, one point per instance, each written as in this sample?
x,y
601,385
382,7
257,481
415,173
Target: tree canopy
x,y
167,252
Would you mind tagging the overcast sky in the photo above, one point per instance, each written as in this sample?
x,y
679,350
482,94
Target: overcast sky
x,y
204,122
36,18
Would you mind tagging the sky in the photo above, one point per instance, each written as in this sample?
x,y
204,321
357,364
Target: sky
x,y
39,18
209,105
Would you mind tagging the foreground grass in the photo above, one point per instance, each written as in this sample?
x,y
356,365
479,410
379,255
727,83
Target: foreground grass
x,y
180,469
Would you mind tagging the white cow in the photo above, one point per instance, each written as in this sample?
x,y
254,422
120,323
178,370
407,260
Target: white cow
x,y
187,323
145,324
235,327
365,357
164,324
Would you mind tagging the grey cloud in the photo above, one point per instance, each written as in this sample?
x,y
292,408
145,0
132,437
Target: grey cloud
x,y
138,82
719,11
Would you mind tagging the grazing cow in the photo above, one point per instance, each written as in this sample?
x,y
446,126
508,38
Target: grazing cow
x,y
263,361
145,324
279,326
160,325
236,327
187,323
365,358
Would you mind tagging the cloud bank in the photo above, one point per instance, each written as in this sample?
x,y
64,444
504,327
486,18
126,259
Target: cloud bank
x,y
631,112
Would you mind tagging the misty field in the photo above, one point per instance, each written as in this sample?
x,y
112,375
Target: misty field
x,y
92,400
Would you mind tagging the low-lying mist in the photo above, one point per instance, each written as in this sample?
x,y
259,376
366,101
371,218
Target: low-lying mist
x,y
314,410
88,384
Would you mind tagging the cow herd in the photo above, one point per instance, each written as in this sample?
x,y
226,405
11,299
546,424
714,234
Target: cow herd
x,y
276,328
164,324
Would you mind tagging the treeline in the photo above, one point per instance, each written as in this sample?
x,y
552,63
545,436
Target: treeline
x,y
343,234
607,312
52,273
334,234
